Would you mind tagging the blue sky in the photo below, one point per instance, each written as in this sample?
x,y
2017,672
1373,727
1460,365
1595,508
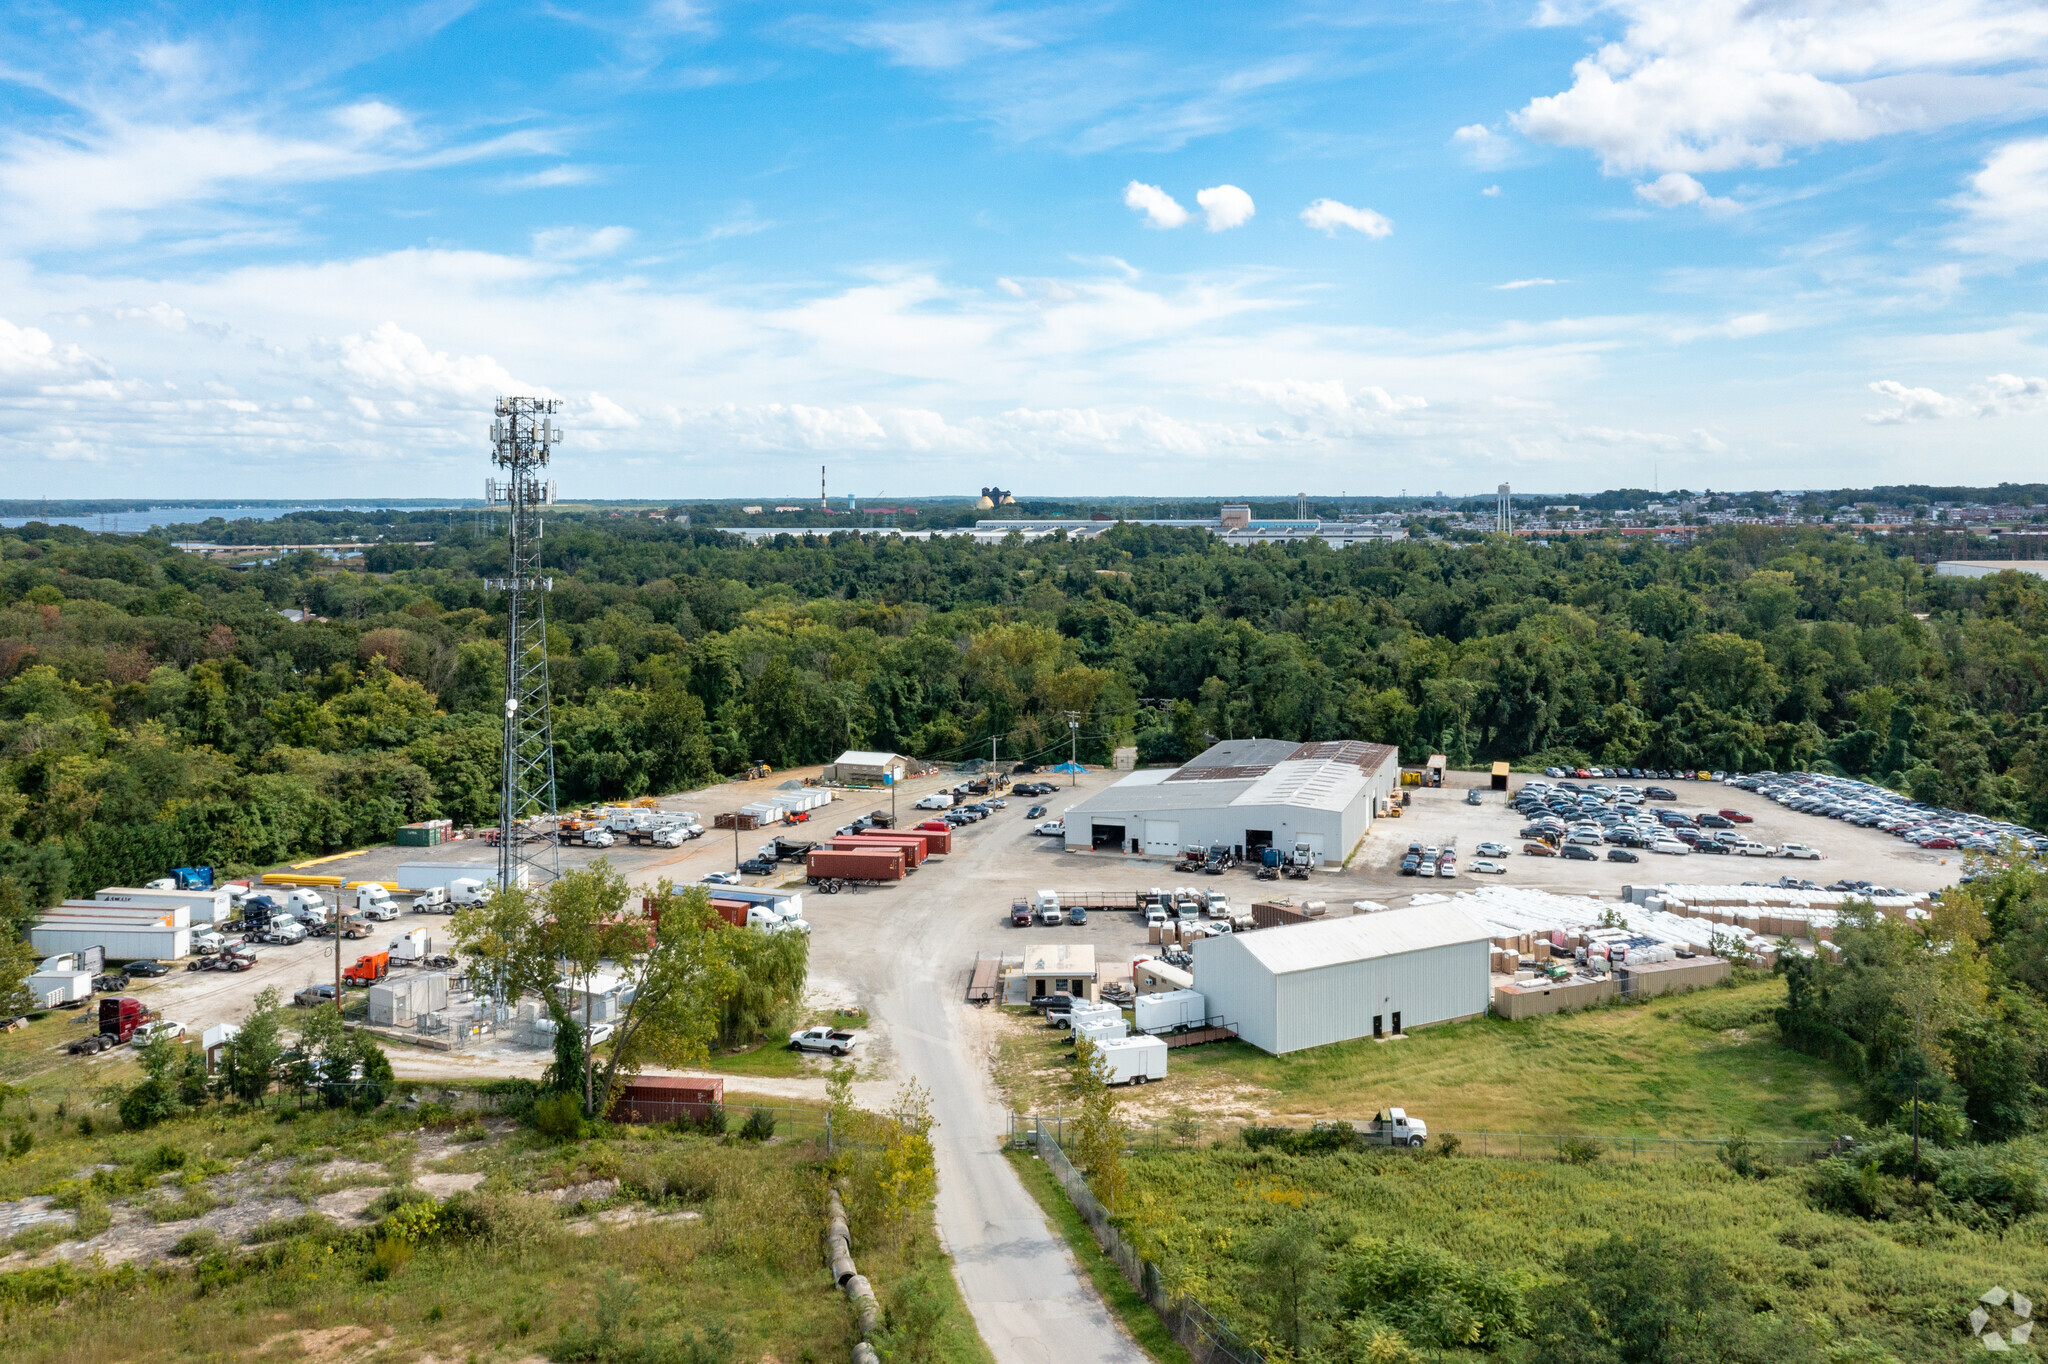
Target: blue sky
x,y
271,250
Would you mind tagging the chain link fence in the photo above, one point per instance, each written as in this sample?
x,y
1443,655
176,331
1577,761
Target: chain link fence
x,y
1207,1339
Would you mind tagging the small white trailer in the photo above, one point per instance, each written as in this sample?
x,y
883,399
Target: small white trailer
x,y
1170,1010
411,947
1133,1060
60,981
1103,1027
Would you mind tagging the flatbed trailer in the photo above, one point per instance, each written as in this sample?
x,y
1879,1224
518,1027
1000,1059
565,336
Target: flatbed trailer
x,y
986,980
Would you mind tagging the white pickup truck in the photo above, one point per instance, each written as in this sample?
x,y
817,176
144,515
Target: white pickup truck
x,y
830,1040
1393,1127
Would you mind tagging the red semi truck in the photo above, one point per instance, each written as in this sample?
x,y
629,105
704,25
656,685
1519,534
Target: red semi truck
x,y
119,1018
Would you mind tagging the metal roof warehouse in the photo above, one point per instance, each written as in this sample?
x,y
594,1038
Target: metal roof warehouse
x,y
1370,975
1244,794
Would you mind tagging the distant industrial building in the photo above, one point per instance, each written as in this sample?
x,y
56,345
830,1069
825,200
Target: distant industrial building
x,y
1370,975
1984,568
856,767
1245,794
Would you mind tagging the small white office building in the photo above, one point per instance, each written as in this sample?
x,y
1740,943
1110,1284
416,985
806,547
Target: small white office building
x,y
1369,975
1244,794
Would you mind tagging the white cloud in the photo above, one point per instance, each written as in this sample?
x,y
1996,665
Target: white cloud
x,y
30,359
554,177
1327,215
1712,85
1524,283
1491,191
1329,399
1674,188
945,39
1156,204
2005,211
392,358
1999,395
576,243
1226,206
1482,146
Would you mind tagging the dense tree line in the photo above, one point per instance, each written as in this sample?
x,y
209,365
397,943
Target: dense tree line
x,y
159,709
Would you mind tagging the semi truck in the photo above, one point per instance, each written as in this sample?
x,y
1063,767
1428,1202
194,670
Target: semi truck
x,y
119,1018
368,969
1393,1127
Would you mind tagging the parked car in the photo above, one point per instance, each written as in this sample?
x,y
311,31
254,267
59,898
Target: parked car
x,y
1035,812
1575,852
722,878
1052,828
834,1041
1621,855
1472,796
1487,867
149,1032
1538,850
1658,793
146,968
1800,851
1670,847
1020,914
1491,850
1737,817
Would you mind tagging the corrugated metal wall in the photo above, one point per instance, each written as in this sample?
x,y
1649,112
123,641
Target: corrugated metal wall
x,y
1338,1002
1236,989
1313,1008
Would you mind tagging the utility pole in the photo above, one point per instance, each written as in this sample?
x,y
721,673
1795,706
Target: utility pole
x,y
1073,748
522,436
336,922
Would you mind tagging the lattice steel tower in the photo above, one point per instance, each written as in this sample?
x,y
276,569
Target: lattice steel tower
x,y
522,436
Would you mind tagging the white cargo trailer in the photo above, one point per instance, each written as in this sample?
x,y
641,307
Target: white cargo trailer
x,y
114,911
123,940
411,947
60,981
1133,1060
1170,1009
418,876
1100,1028
215,906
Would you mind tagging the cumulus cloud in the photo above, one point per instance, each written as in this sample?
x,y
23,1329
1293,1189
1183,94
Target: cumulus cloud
x,y
1712,85
1482,146
1329,401
576,243
1674,188
2005,212
1156,204
1327,215
1999,395
1226,206
392,358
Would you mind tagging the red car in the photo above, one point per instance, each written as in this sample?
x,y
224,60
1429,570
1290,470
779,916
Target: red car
x,y
1736,817
1942,842
1581,773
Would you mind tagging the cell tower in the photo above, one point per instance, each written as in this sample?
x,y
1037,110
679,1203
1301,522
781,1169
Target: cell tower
x,y
522,436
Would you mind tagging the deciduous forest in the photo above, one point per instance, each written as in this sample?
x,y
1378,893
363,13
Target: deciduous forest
x,y
159,709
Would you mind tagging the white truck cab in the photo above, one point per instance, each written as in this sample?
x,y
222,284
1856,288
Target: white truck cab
x,y
1393,1127
466,892
374,901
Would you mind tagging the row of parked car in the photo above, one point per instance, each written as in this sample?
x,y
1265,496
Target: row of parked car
x,y
1873,807
1629,774
1576,824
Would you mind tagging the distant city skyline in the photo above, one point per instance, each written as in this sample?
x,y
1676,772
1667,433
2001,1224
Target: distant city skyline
x,y
294,251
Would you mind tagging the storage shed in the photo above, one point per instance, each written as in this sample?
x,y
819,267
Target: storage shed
x,y
857,767
1244,794
1500,776
1370,975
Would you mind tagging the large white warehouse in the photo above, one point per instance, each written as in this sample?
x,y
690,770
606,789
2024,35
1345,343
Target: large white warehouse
x,y
1244,794
1370,975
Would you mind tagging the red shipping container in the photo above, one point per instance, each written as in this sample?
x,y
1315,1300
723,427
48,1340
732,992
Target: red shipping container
x,y
733,912
913,848
937,842
856,864
664,1098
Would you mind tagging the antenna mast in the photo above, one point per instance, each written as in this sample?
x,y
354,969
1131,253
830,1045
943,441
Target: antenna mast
x,y
522,436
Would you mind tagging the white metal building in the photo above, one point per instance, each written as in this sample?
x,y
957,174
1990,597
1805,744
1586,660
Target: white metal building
x,y
1370,975
858,768
1244,794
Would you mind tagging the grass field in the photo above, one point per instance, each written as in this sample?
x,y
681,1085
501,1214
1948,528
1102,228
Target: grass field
x,y
275,1233
1702,1064
1904,1287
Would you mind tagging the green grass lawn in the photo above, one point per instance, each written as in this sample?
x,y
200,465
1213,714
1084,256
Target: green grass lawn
x,y
1696,1065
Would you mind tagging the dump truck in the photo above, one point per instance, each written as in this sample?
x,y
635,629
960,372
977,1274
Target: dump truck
x,y
119,1018
786,849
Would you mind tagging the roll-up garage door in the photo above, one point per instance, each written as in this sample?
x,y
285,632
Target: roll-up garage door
x,y
1162,837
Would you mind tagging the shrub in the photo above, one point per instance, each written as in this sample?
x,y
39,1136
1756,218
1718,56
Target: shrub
x,y
390,1256
20,1144
914,1321
559,1117
713,1121
1447,1144
515,1221
1321,1139
1580,1151
197,1242
760,1126
687,1175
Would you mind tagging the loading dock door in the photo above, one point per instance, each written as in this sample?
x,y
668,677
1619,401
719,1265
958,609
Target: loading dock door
x,y
1110,836
1162,837
1257,838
